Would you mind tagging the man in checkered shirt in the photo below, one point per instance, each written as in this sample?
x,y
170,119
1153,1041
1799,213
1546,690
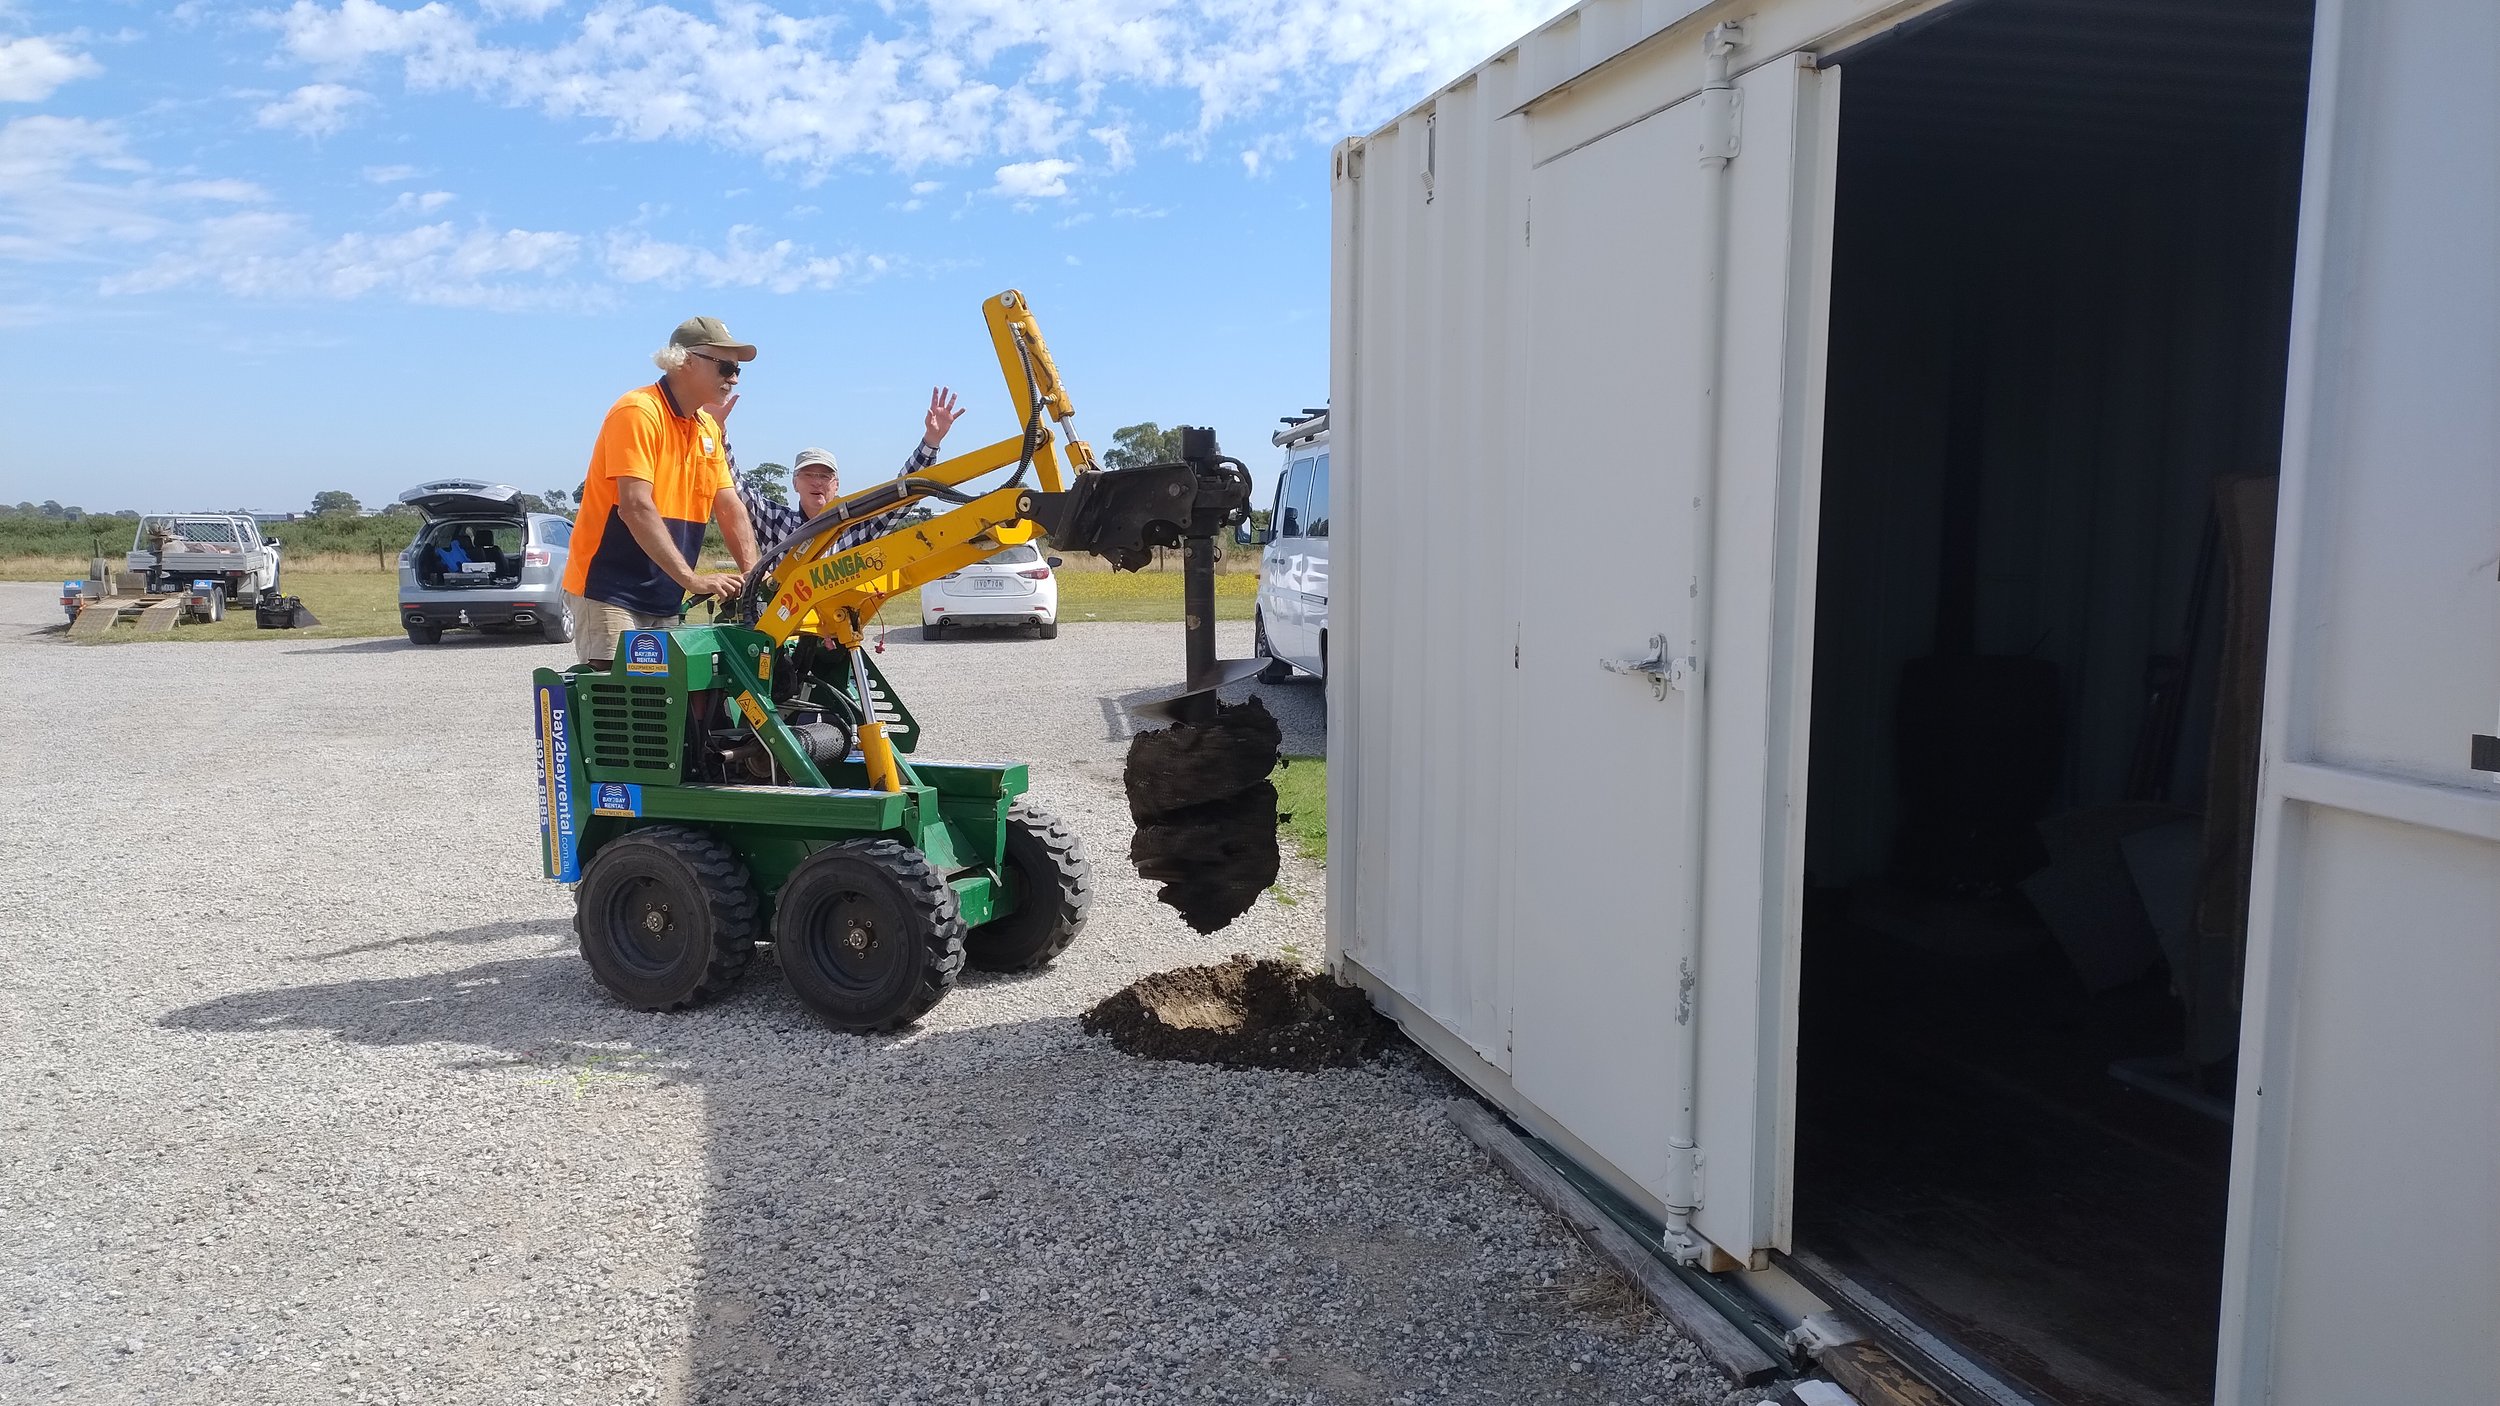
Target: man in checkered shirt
x,y
818,483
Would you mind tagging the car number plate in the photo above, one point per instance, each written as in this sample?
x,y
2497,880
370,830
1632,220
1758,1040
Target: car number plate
x,y
991,583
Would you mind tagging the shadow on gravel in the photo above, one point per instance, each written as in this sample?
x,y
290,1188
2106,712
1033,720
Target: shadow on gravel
x,y
1017,1200
455,937
397,644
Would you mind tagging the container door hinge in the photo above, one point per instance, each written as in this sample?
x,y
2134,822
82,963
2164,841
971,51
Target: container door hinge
x,y
1722,103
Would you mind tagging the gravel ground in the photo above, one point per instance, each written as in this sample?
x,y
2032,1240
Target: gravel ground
x,y
310,1100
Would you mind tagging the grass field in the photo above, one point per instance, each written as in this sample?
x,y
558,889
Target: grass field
x,y
1302,802
355,601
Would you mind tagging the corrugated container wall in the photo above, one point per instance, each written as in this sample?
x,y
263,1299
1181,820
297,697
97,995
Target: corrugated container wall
x,y
1420,654
1485,405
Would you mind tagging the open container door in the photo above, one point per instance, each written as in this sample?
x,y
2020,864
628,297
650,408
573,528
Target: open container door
x,y
1679,285
2360,1263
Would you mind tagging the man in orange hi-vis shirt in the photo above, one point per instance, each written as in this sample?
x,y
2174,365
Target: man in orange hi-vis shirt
x,y
658,475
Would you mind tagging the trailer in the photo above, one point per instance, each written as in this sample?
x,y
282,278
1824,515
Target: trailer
x,y
157,612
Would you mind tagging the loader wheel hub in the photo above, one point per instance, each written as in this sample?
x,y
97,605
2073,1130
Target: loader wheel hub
x,y
859,937
655,920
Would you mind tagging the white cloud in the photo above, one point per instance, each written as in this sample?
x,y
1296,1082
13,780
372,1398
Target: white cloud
x,y
742,262
932,82
522,9
1115,146
266,254
360,29
316,109
32,68
1034,180
927,187
1250,163
391,175
72,191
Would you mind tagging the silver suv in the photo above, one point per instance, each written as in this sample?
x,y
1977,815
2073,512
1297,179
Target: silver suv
x,y
482,561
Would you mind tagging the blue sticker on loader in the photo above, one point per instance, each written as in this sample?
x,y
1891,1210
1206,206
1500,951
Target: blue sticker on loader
x,y
559,841
615,798
646,653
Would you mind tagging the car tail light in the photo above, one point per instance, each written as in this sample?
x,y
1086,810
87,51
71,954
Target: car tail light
x,y
1039,573
535,556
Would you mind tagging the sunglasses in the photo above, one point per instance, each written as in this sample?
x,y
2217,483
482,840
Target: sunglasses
x,y
728,369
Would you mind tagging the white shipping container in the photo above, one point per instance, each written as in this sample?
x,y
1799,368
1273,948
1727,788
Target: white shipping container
x,y
1889,642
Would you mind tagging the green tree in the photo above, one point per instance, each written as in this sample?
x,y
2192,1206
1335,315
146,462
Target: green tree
x,y
336,502
767,480
397,510
559,500
1146,443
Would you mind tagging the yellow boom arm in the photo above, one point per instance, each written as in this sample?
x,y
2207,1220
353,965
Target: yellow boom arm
x,y
832,591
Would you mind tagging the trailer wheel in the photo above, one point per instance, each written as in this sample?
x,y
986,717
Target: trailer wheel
x,y
868,934
666,917
1054,893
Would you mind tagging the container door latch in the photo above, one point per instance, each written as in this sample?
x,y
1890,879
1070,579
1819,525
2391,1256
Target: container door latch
x,y
1663,673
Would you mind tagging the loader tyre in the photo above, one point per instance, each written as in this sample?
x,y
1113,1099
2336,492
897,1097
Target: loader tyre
x,y
1054,892
868,934
666,917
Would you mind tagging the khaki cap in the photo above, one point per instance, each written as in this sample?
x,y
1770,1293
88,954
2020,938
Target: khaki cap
x,y
815,459
711,333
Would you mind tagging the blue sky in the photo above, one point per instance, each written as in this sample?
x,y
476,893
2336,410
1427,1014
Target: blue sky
x,y
249,252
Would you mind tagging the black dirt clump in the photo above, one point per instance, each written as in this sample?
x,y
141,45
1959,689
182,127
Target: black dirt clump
x,y
1243,1015
1205,812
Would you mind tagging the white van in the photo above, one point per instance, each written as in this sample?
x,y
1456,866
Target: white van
x,y
1293,568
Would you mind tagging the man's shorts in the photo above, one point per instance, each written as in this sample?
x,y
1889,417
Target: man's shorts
x,y
596,624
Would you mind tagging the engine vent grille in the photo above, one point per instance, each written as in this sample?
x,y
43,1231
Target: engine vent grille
x,y
632,728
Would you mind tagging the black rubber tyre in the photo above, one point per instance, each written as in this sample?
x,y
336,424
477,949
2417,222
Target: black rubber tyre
x,y
216,604
868,934
558,628
1277,670
666,917
1055,888
1047,630
425,634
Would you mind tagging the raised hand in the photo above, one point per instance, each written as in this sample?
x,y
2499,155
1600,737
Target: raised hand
x,y
943,413
720,409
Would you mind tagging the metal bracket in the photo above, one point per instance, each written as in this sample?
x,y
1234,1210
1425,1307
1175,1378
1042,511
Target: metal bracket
x,y
1663,673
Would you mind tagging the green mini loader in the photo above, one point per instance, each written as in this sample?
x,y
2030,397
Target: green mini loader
x,y
758,778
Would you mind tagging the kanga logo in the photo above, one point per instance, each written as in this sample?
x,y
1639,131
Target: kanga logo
x,y
846,567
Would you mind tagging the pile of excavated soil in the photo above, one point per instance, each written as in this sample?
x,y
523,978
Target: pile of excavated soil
x,y
1206,812
1243,1014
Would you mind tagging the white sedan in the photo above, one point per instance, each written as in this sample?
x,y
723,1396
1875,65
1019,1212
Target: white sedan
x,y
1015,587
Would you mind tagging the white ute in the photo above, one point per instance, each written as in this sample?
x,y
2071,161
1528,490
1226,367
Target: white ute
x,y
225,548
